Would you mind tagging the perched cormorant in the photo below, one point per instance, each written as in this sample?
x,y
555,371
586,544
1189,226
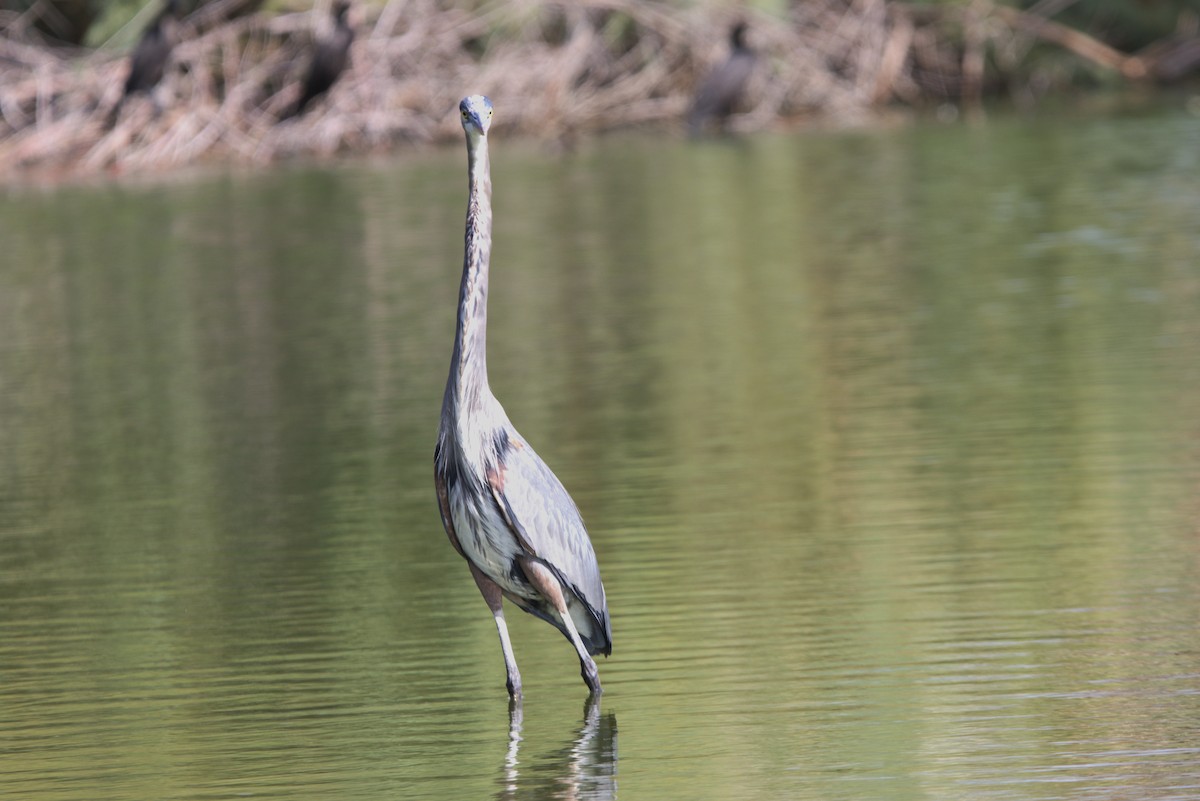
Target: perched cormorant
x,y
329,59
149,59
148,62
721,89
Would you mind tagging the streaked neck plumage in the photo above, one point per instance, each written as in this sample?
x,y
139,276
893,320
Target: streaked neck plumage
x,y
467,389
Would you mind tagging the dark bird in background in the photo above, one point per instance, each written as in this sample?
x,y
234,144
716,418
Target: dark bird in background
x,y
330,55
148,62
504,510
721,90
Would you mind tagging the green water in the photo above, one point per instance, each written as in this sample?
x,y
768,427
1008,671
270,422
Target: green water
x,y
889,446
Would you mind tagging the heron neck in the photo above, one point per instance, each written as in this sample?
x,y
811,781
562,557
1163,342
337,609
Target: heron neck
x,y
468,382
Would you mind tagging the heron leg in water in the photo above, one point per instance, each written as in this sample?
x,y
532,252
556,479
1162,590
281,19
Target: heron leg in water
x,y
540,576
495,601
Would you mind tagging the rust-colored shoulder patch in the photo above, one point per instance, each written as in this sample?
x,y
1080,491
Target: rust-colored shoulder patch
x,y
495,478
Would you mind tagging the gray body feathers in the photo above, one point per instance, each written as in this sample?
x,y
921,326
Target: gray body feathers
x,y
502,507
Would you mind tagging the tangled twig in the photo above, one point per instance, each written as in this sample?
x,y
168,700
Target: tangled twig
x,y
555,67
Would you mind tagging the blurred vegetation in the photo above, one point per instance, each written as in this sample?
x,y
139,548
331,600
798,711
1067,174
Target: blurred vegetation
x,y
1128,25
558,68
96,23
119,23
1125,24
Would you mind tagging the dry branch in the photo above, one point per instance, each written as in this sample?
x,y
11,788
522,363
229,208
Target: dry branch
x,y
552,68
1080,43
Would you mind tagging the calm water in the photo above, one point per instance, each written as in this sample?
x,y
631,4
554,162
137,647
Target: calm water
x,y
889,444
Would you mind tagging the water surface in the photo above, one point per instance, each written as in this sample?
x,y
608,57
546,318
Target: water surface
x,y
889,445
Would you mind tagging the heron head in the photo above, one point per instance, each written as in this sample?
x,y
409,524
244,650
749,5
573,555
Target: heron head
x,y
476,113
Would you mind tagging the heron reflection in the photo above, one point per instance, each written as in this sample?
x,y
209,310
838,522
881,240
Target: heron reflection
x,y
584,768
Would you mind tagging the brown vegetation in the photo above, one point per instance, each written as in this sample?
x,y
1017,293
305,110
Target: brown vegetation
x,y
552,69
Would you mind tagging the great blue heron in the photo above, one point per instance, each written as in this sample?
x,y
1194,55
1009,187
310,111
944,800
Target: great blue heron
x,y
505,512
719,92
330,55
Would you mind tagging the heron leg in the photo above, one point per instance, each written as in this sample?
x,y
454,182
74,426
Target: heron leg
x,y
495,601
545,582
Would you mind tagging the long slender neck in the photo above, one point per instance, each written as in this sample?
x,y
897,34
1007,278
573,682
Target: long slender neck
x,y
467,385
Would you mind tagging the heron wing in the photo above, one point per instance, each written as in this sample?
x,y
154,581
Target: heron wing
x,y
443,496
548,525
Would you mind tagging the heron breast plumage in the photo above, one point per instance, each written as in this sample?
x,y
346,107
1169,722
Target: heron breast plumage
x,y
485,537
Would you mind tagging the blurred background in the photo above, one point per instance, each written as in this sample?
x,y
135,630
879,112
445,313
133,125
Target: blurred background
x,y
863,334
89,86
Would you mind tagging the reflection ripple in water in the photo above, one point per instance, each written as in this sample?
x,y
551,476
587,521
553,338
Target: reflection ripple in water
x,y
887,443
